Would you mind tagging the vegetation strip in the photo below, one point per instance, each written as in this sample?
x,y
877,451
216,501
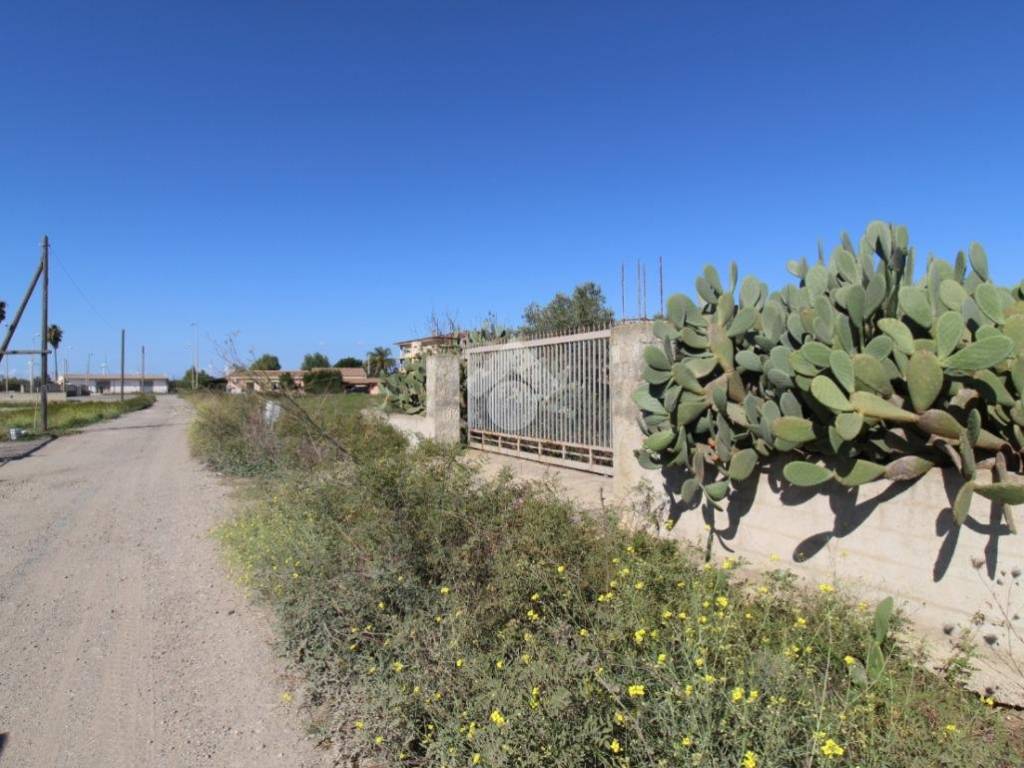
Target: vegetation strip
x,y
444,620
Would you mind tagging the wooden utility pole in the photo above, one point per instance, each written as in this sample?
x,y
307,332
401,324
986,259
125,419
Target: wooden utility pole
x,y
142,376
44,357
122,363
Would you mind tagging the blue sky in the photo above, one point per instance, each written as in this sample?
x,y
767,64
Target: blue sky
x,y
323,176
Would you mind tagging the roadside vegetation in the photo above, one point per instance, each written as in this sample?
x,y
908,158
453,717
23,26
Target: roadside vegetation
x,y
64,416
444,620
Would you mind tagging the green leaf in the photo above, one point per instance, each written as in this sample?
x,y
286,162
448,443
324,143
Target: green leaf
x,y
655,376
979,260
986,353
805,474
841,365
899,333
924,379
883,617
874,407
952,294
793,428
749,360
745,319
848,425
659,441
656,358
677,304
684,377
643,398
689,490
742,464
717,491
915,304
868,371
949,330
862,472
1004,493
907,468
990,301
962,502
816,354
828,394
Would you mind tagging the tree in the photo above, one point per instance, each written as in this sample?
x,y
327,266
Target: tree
x,y
54,336
323,381
315,360
266,362
380,362
287,381
349,362
585,307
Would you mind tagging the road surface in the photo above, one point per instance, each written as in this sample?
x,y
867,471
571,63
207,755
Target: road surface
x,y
123,643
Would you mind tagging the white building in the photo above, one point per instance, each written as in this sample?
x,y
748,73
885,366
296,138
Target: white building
x,y
106,383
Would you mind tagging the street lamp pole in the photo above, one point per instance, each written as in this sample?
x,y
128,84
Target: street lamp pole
x,y
195,356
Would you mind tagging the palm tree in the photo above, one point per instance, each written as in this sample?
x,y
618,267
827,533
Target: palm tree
x,y
54,336
379,362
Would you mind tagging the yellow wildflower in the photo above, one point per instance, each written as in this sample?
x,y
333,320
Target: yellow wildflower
x,y
849,660
445,590
639,585
378,740
687,741
738,693
620,718
459,663
476,758
826,588
398,666
636,691
614,746
831,749
561,569
722,602
584,631
360,725
497,718
749,760
662,658
639,635
286,697
535,597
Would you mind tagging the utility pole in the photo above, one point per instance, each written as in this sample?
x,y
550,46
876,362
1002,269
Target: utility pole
x,y
44,379
195,356
142,376
122,363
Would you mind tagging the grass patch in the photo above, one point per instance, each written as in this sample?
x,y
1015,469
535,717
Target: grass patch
x,y
64,416
443,620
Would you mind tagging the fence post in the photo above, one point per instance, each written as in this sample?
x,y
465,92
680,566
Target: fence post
x,y
626,363
443,396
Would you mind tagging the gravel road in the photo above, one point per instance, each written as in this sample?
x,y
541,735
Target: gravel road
x,y
122,640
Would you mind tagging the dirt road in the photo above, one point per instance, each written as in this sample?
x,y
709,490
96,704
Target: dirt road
x,y
122,641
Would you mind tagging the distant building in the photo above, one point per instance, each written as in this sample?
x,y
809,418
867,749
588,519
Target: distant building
x,y
110,383
352,379
413,348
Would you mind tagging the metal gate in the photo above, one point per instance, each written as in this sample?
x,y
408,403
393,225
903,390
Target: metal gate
x,y
546,399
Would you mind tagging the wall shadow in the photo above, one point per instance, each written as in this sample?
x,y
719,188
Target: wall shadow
x,y
849,513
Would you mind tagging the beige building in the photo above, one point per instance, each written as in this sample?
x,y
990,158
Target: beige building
x,y
352,379
110,383
413,348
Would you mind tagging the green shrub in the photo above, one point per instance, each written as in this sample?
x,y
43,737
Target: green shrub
x,y
405,390
442,620
860,371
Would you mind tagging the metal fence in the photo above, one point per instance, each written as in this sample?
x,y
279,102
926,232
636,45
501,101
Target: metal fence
x,y
547,399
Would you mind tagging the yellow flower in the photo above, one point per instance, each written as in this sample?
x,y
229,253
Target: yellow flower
x,y
639,585
636,691
826,588
639,635
532,615
728,564
378,740
360,725
619,718
561,569
398,666
497,718
831,749
688,690
459,663
445,590
380,605
698,662
687,741
614,746
286,697
749,760
950,729
476,758
722,602
849,660
754,694
662,658
800,622
500,664
738,693
535,597
584,632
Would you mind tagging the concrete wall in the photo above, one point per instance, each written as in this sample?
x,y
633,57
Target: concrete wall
x,y
443,396
441,419
881,539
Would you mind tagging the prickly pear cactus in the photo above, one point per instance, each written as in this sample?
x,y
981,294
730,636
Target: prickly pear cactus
x,y
856,371
406,389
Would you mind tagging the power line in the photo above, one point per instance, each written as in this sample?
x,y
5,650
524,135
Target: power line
x,y
82,293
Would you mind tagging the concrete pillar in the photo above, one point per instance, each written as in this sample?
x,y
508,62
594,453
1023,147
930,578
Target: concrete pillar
x,y
443,397
626,360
